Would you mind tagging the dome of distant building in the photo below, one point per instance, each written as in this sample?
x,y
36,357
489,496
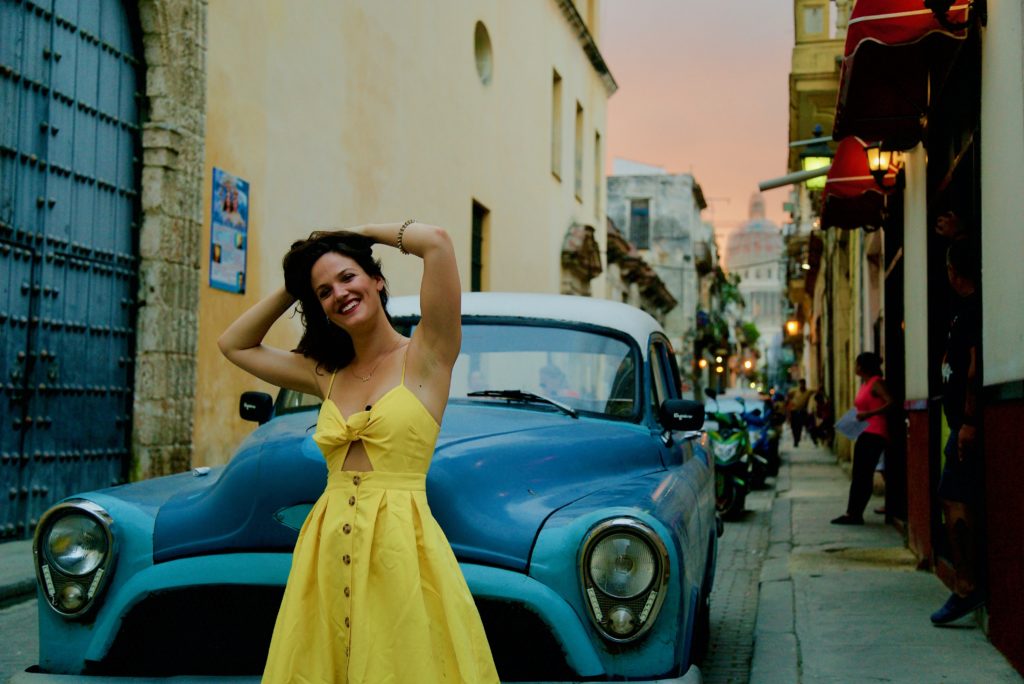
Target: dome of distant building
x,y
757,242
754,252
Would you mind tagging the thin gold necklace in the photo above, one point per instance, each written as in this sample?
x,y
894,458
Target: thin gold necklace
x,y
379,360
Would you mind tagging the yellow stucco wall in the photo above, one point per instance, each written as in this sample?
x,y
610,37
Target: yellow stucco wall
x,y
345,113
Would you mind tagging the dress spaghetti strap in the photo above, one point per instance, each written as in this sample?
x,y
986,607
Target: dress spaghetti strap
x,y
330,386
405,357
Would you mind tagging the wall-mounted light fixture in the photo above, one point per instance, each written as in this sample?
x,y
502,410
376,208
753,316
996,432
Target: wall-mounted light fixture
x,y
817,155
884,163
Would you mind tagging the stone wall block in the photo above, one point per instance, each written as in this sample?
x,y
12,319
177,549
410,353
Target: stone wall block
x,y
154,379
150,18
148,336
161,108
157,81
151,236
153,52
153,189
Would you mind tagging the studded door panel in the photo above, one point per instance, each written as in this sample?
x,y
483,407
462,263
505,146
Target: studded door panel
x,y
69,162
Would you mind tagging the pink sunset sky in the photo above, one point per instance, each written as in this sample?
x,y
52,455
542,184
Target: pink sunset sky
x,y
703,89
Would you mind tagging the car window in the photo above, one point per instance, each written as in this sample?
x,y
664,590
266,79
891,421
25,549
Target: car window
x,y
658,390
664,386
289,401
587,370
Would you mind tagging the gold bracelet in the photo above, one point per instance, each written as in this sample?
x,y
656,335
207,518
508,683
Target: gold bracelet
x,y
401,232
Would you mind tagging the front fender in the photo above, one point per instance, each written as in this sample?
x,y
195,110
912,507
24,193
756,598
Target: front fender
x,y
672,511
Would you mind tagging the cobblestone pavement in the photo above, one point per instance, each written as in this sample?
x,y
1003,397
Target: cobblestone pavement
x,y
741,551
19,643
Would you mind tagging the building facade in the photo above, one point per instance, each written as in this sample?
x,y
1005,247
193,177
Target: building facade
x,y
491,123
660,214
943,91
754,252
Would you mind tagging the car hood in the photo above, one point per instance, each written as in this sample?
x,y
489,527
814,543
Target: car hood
x,y
498,472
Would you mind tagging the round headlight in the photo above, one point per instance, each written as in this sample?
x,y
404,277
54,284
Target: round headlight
x,y
622,565
621,621
76,544
71,597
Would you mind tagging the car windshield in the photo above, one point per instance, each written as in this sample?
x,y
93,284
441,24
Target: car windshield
x,y
586,370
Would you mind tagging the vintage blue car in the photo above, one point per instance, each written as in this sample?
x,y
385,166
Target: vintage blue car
x,y
569,476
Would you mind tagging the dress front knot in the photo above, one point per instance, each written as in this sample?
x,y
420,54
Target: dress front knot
x,y
334,431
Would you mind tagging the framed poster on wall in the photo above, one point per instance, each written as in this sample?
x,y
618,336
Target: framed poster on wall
x,y
229,232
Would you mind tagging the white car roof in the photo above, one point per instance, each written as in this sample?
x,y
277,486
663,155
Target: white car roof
x,y
635,322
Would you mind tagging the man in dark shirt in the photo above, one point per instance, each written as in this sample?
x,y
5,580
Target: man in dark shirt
x,y
961,485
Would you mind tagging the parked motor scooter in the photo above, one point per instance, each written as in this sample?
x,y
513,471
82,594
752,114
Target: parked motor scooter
x,y
730,444
762,463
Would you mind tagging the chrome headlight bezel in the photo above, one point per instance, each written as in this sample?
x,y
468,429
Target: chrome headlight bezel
x,y
59,584
645,606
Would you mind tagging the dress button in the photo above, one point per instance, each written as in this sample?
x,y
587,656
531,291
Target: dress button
x,y
347,528
347,623
351,501
346,651
347,592
356,480
346,559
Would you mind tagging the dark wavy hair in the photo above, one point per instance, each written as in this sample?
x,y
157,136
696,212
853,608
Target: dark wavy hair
x,y
870,363
327,344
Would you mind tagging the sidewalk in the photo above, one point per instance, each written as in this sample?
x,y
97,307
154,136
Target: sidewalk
x,y
17,577
846,604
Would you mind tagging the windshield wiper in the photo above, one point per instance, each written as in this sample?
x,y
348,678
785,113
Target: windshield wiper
x,y
520,395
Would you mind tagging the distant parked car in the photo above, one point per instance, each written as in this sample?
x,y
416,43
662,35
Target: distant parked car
x,y
569,477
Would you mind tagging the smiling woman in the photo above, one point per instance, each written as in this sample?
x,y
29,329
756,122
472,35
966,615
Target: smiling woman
x,y
355,606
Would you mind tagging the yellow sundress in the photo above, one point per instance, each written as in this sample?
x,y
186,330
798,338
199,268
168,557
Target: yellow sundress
x,y
375,594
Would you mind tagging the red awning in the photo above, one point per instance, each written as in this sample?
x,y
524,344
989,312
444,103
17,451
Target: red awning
x,y
852,198
883,85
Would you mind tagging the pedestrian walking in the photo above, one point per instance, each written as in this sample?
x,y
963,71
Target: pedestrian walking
x,y
872,403
960,487
375,593
799,397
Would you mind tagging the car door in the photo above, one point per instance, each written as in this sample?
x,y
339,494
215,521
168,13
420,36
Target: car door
x,y
677,447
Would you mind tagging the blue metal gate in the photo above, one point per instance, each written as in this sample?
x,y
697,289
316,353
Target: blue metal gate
x,y
70,147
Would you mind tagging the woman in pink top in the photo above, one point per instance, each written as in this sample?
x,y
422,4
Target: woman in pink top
x,y
872,403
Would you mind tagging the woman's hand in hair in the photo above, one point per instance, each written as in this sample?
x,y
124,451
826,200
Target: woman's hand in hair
x,y
242,344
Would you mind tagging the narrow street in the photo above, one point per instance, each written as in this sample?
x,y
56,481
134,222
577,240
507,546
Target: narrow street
x,y
741,553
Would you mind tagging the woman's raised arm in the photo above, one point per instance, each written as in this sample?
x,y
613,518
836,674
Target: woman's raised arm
x,y
440,328
242,344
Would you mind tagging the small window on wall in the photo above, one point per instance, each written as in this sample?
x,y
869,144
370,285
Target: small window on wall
x,y
556,125
479,276
814,20
640,223
482,50
578,153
